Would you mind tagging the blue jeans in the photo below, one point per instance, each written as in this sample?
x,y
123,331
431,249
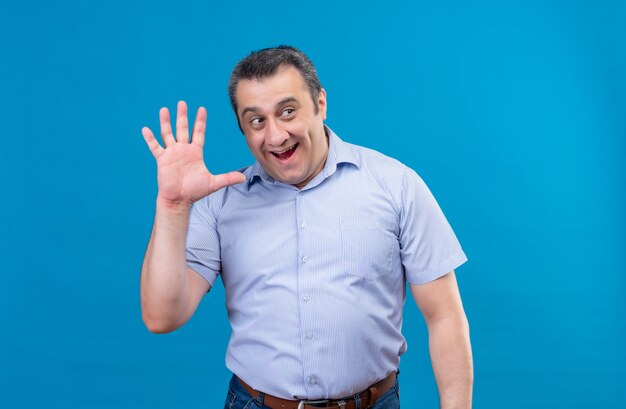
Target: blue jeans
x,y
238,398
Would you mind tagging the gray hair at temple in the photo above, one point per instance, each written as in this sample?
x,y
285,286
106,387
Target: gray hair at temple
x,y
264,63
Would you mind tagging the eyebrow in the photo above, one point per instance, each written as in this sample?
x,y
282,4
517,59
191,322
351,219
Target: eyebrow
x,y
279,103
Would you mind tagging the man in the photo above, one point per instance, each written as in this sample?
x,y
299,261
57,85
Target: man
x,y
314,243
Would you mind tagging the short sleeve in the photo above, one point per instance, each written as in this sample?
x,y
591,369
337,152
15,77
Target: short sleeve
x,y
203,244
429,248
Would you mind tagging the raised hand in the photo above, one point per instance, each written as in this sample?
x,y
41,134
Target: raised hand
x,y
182,176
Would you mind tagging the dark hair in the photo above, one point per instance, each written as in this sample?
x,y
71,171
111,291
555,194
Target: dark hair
x,y
264,63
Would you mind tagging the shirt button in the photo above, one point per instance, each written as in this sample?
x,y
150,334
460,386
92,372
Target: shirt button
x,y
313,381
305,259
304,225
306,297
309,336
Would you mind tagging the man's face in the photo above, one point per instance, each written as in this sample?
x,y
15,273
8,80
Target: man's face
x,y
282,130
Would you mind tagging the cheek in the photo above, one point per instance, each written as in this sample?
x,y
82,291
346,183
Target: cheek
x,y
297,129
254,143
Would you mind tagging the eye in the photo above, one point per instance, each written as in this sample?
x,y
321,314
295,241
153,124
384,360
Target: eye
x,y
287,112
256,121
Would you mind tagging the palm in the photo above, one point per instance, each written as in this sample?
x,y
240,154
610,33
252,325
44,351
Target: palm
x,y
182,175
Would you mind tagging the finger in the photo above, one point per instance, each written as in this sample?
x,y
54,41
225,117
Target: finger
x,y
182,123
166,127
153,144
227,179
199,127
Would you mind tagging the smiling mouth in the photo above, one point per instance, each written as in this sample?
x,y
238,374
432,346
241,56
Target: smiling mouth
x,y
286,154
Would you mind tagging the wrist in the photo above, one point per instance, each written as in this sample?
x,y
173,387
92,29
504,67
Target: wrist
x,y
173,206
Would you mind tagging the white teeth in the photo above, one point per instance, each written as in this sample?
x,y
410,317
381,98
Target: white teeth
x,y
280,152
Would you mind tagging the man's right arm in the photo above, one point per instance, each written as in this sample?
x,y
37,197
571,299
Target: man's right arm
x,y
170,291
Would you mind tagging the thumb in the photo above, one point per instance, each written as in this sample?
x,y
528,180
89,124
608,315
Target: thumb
x,y
227,179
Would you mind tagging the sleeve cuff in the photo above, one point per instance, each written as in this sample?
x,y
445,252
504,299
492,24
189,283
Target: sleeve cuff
x,y
209,275
446,266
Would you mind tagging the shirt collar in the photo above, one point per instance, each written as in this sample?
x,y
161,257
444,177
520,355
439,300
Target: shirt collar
x,y
338,152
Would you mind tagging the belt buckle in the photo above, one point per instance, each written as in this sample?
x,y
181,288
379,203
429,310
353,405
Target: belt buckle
x,y
312,403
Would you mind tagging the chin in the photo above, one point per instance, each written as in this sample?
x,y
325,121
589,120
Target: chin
x,y
290,180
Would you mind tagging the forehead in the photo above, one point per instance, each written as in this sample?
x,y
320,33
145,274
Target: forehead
x,y
266,92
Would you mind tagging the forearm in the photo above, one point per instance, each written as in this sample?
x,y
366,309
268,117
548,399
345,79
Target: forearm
x,y
451,357
163,274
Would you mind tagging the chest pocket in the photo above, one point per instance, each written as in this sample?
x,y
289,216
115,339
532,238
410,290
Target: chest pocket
x,y
368,246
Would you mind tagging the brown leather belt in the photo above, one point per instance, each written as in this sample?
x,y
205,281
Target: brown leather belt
x,y
368,397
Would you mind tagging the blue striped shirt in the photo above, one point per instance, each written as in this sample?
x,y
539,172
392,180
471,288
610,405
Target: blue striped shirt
x,y
315,278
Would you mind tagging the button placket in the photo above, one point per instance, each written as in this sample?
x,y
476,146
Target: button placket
x,y
306,261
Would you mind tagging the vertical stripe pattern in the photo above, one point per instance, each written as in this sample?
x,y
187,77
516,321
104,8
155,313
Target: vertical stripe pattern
x,y
315,278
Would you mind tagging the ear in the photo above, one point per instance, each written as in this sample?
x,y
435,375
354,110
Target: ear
x,y
321,103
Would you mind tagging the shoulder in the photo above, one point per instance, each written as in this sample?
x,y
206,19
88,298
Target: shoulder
x,y
389,172
375,161
383,173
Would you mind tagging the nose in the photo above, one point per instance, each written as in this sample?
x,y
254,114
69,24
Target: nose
x,y
275,133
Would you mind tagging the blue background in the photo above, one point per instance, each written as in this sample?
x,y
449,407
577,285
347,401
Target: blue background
x,y
512,112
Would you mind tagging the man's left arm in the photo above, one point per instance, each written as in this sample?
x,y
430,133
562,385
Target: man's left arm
x,y
449,341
